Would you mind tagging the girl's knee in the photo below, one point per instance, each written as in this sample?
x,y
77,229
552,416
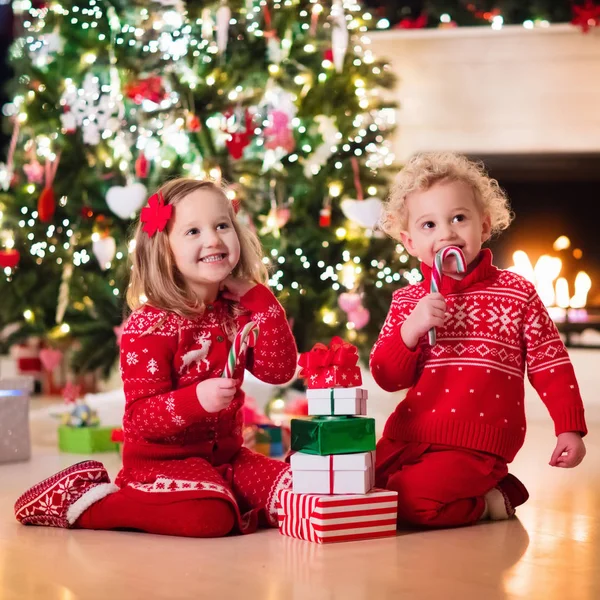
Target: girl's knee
x,y
203,519
217,519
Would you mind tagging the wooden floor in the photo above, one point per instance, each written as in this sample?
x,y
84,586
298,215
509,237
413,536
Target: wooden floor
x,y
550,552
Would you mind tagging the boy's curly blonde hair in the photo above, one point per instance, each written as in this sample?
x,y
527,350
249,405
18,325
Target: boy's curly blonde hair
x,y
426,169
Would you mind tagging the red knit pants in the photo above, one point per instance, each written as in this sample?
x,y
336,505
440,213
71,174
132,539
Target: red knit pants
x,y
253,480
438,486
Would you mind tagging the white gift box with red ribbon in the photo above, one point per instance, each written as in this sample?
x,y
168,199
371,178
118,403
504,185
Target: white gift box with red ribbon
x,y
325,519
333,473
337,401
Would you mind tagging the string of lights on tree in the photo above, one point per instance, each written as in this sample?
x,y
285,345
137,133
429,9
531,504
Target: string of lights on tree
x,y
280,100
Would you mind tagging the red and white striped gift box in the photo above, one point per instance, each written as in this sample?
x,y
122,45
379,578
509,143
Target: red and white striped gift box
x,y
323,519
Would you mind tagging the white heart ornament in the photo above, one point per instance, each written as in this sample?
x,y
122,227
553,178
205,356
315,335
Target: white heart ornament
x,y
104,250
126,201
365,213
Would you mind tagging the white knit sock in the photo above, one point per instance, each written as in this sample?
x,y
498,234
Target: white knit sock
x,y
93,495
496,505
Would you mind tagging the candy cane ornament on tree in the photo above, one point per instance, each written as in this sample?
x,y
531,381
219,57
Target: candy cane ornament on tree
x,y
244,338
436,274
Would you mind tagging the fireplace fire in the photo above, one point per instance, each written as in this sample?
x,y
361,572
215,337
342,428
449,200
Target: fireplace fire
x,y
554,291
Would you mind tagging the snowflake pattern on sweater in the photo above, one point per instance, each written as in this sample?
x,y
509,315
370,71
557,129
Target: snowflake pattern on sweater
x,y
468,389
164,356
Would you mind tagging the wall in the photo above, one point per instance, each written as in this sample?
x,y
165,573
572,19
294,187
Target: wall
x,y
478,90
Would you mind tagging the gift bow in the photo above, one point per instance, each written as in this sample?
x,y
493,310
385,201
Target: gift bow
x,y
338,353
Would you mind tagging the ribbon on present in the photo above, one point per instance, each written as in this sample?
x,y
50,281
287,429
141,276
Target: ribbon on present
x,y
370,468
339,353
331,474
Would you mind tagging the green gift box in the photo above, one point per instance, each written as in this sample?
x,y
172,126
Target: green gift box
x,y
333,435
86,440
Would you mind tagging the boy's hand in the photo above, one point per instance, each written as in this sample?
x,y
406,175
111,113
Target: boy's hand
x,y
233,288
569,451
216,394
429,312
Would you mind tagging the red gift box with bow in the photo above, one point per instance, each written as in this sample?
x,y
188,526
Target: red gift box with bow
x,y
331,366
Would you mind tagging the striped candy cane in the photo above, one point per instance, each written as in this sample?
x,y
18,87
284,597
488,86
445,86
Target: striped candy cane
x,y
436,274
247,336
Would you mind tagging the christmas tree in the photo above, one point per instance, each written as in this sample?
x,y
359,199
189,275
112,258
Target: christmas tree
x,y
282,101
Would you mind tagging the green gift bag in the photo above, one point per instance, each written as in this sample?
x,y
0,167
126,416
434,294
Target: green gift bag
x,y
333,435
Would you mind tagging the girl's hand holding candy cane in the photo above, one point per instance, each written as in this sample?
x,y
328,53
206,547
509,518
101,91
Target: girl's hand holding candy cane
x,y
216,394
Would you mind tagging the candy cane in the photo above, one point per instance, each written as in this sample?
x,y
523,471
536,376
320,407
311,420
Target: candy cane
x,y
247,336
436,274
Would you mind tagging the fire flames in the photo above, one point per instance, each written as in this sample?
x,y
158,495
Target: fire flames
x,y
552,289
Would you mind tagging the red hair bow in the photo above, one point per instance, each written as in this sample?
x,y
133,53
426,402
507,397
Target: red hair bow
x,y
156,215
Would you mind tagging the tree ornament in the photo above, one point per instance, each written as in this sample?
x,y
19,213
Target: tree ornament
x,y
365,213
149,88
91,110
50,358
193,123
126,201
339,35
328,131
239,129
325,213
349,301
7,170
9,258
142,166
413,23
63,290
104,249
359,317
207,25
6,176
34,171
586,16
223,18
47,200
48,46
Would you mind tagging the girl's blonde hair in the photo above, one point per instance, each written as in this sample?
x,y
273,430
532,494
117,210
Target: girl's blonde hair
x,y
426,169
154,274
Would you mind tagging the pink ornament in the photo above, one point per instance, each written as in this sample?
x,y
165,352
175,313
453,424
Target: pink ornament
x,y
278,134
34,171
50,358
360,317
349,302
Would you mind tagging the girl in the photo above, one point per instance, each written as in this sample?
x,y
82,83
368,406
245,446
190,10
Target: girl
x,y
196,280
446,447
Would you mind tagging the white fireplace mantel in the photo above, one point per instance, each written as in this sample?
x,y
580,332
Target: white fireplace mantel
x,y
484,91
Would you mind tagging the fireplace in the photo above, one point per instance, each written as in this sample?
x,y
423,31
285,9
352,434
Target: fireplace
x,y
554,239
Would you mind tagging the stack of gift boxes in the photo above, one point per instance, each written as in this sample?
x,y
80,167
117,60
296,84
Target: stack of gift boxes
x,y
333,496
